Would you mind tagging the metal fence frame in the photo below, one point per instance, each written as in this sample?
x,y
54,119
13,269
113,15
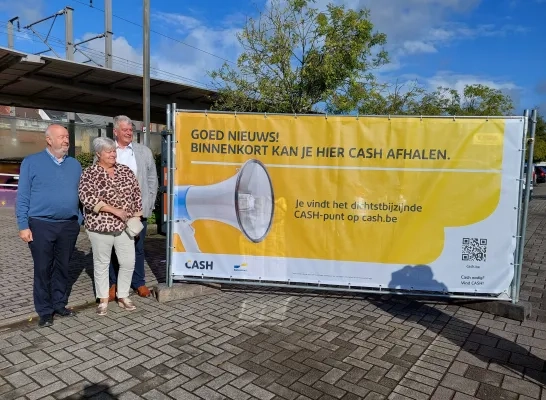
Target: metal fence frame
x,y
170,141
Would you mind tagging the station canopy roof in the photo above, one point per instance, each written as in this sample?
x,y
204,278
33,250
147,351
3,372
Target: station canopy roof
x,y
28,80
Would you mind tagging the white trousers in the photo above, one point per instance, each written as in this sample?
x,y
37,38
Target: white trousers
x,y
101,244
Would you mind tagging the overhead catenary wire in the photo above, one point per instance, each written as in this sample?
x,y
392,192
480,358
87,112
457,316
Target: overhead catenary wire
x,y
132,66
156,32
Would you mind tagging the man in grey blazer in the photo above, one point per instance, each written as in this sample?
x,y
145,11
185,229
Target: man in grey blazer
x,y
141,160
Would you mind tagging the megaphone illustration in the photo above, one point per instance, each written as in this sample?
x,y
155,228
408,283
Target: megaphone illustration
x,y
244,201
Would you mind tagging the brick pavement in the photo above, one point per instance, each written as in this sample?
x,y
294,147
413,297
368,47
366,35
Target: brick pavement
x,y
16,271
533,277
275,345
251,344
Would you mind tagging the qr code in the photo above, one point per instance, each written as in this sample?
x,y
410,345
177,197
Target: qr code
x,y
474,249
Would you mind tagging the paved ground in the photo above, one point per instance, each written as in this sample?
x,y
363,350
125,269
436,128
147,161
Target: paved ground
x,y
16,270
276,345
533,277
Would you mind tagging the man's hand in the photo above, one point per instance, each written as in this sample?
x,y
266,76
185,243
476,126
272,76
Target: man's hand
x,y
26,235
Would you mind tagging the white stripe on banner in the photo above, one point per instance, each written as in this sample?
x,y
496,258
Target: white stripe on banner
x,y
474,171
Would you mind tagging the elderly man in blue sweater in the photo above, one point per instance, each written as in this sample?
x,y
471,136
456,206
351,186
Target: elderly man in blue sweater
x,y
48,217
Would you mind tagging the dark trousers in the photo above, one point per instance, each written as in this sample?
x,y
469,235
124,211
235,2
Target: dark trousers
x,y
138,279
52,247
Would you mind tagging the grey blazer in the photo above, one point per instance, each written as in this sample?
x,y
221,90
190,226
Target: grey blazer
x,y
146,176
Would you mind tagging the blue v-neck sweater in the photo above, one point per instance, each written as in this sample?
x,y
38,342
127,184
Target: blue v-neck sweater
x,y
47,190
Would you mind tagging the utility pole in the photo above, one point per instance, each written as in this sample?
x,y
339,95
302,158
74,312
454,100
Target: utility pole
x,y
69,33
70,46
108,33
146,72
10,31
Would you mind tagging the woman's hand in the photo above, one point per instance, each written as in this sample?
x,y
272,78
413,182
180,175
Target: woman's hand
x,y
121,214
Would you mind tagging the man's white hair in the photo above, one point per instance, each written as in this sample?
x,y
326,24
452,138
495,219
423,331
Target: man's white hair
x,y
48,129
121,118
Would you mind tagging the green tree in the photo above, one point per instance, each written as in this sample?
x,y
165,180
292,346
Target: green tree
x,y
540,140
482,100
412,99
295,57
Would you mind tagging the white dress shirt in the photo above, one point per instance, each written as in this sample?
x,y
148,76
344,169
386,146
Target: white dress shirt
x,y
126,157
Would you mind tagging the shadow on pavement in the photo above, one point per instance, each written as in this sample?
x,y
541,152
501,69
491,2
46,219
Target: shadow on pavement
x,y
96,391
155,253
80,262
478,346
488,354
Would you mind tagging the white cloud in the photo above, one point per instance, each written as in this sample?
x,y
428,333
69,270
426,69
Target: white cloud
x,y
183,22
418,46
459,81
199,50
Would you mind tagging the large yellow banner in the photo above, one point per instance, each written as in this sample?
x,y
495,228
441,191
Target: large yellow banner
x,y
374,189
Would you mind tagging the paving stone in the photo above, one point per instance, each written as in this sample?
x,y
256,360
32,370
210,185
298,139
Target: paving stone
x,y
458,368
483,375
181,394
462,396
527,361
460,384
279,390
520,386
488,392
44,391
44,377
333,376
156,395
442,393
18,379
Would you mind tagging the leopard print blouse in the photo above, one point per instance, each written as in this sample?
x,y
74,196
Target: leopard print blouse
x,y
98,189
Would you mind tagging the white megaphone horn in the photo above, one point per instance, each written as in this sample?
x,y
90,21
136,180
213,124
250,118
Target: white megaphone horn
x,y
244,201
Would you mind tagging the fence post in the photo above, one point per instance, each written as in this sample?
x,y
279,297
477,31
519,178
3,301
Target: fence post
x,y
110,130
525,204
167,154
72,137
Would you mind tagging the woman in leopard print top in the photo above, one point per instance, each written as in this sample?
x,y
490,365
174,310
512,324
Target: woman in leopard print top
x,y
110,195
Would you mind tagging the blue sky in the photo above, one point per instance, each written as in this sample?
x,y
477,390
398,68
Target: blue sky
x,y
436,42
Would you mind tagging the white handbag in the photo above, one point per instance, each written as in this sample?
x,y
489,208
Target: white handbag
x,y
134,226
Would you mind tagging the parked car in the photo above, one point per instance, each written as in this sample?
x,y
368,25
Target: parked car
x,y
540,173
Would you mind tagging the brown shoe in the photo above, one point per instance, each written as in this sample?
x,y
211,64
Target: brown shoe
x,y
112,293
143,291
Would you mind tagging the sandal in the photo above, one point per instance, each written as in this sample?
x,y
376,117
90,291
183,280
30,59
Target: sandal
x,y
126,304
102,309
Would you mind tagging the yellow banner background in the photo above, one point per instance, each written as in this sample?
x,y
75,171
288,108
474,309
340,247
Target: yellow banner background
x,y
461,189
